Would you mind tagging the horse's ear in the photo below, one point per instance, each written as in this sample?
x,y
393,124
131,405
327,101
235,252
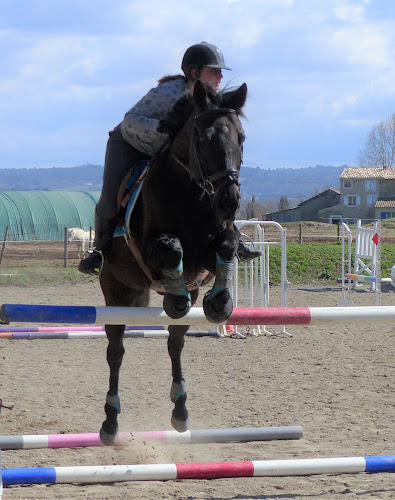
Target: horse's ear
x,y
238,98
200,96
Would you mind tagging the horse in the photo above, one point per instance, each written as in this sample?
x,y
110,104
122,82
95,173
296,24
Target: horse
x,y
81,237
181,229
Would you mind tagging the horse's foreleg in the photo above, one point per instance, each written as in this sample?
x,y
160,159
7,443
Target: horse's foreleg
x,y
217,302
168,253
115,352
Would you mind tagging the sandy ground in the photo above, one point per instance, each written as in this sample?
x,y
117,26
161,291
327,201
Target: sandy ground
x,y
335,381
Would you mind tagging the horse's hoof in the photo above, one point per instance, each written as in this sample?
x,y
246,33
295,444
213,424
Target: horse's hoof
x,y
179,425
219,308
108,438
176,306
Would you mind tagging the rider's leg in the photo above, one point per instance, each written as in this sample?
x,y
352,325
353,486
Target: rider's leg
x,y
104,229
120,158
246,252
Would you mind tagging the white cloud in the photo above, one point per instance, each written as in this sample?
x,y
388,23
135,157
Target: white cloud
x,y
351,13
367,45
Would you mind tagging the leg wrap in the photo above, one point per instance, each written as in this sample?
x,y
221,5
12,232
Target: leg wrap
x,y
223,277
114,401
175,284
178,389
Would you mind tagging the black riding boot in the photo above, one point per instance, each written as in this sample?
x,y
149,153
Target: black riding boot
x,y
104,230
246,252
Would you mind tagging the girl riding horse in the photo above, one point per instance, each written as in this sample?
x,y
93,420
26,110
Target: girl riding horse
x,y
138,137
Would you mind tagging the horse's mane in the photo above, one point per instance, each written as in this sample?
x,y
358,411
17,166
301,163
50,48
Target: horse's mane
x,y
184,107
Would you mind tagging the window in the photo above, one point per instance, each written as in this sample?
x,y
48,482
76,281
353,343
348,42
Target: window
x,y
370,185
352,200
371,199
387,215
347,184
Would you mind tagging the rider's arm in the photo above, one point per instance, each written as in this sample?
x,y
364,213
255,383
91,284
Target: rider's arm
x,y
139,127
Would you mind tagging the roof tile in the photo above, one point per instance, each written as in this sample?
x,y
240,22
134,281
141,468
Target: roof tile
x,y
368,173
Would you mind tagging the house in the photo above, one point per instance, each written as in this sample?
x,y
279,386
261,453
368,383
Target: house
x,y
365,193
309,209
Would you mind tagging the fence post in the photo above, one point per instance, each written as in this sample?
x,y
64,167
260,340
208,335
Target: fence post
x,y
90,237
4,243
300,234
66,249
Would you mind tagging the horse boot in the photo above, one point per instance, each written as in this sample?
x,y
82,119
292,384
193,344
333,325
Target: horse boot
x,y
104,230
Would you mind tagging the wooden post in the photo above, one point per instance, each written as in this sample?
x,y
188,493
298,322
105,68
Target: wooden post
x,y
66,249
300,234
4,243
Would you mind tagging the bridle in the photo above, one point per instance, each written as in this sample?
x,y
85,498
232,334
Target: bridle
x,y
229,175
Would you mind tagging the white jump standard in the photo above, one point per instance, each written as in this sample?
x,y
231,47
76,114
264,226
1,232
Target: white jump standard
x,y
155,315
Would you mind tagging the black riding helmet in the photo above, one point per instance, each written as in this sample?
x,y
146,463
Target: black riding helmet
x,y
202,54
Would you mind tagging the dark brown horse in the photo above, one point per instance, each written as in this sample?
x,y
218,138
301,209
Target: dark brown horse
x,y
182,226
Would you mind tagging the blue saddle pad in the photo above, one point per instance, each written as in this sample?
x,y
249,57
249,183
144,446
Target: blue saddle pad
x,y
133,188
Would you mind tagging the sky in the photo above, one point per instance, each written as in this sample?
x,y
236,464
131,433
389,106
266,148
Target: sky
x,y
320,73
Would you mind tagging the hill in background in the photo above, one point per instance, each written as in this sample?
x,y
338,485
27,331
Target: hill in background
x,y
266,185
85,178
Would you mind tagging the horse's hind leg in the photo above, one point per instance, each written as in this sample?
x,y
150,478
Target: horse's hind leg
x,y
115,352
178,394
116,294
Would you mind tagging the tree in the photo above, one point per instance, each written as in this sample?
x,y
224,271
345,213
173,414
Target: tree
x,y
254,210
284,204
379,150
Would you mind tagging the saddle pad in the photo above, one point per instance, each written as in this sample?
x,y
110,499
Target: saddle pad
x,y
132,191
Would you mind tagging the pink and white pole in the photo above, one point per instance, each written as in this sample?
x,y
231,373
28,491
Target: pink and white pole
x,y
241,435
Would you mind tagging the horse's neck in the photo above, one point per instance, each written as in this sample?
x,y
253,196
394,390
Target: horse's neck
x,y
180,148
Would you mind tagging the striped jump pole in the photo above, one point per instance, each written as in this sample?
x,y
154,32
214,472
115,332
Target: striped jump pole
x,y
366,279
86,334
55,329
241,435
156,315
205,470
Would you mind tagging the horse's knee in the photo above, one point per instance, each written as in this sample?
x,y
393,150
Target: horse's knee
x,y
170,250
227,246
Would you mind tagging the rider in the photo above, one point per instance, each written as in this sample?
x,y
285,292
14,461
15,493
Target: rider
x,y
136,138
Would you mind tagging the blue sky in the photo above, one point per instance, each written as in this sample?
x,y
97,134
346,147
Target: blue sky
x,y
320,73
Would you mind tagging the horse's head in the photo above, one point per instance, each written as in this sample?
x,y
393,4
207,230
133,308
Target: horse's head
x,y
216,146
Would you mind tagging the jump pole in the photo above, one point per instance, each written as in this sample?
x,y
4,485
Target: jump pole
x,y
205,470
241,435
53,329
86,334
156,315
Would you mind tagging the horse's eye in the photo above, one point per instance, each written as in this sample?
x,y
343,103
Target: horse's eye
x,y
241,139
